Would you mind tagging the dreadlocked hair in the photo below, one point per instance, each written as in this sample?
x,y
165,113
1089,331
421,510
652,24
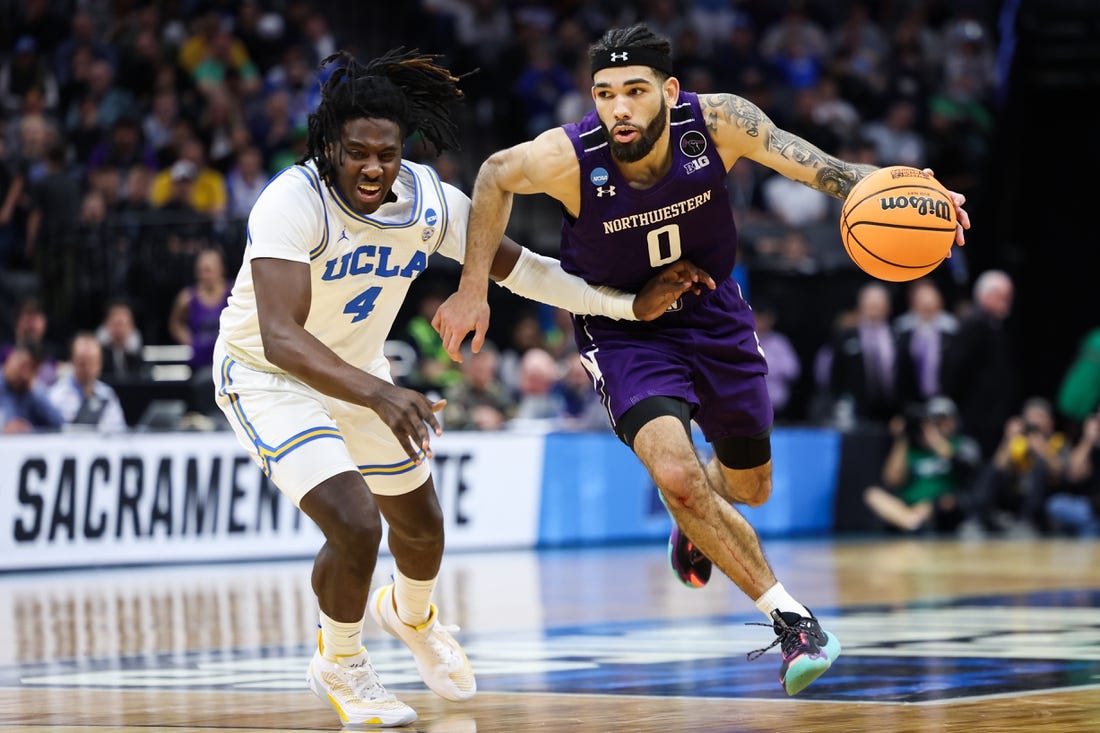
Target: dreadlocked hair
x,y
407,87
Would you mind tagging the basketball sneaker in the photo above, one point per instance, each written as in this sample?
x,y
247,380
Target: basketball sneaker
x,y
439,659
808,650
350,684
691,566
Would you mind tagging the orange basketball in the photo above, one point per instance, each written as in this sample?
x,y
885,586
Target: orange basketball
x,y
898,223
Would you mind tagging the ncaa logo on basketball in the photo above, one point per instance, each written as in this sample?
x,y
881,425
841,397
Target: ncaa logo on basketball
x,y
693,144
693,165
599,176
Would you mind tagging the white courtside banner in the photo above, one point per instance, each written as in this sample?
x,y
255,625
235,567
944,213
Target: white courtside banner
x,y
74,500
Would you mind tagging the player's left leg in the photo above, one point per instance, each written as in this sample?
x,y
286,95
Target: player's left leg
x,y
404,609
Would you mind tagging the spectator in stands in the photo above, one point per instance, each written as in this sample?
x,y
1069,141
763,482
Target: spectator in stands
x,y
434,368
50,226
194,321
864,359
124,147
980,370
31,329
537,402
1075,508
226,61
246,178
526,334
24,406
1079,391
582,409
111,102
24,71
160,121
480,401
793,203
13,181
122,344
896,135
82,398
784,366
928,470
1027,467
924,333
206,194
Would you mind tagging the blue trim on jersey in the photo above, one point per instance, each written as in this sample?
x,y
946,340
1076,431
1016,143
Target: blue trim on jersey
x,y
267,453
418,203
315,181
444,216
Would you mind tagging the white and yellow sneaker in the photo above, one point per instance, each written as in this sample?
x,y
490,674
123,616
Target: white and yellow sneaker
x,y
351,686
439,659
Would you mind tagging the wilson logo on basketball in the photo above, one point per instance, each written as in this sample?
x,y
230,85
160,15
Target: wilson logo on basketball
x,y
923,205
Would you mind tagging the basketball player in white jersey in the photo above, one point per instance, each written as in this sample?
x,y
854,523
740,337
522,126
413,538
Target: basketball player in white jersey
x,y
333,245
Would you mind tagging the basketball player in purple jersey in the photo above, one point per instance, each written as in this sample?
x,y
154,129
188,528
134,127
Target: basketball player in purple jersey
x,y
641,184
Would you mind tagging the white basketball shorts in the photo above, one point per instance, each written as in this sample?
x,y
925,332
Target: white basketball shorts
x,y
300,437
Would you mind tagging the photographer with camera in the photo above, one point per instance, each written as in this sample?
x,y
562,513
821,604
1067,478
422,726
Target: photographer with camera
x,y
1026,468
928,469
1075,508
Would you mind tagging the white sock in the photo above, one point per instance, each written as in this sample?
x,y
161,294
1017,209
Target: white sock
x,y
777,597
339,638
413,598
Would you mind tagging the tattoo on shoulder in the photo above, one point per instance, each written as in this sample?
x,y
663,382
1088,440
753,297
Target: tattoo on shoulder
x,y
735,110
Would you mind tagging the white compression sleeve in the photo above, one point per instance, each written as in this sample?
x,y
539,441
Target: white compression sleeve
x,y
542,279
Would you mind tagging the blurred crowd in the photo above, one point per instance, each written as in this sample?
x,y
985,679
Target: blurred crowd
x,y
135,136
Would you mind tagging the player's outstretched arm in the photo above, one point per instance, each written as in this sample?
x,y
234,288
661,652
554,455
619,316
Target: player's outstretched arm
x,y
542,278
283,299
537,166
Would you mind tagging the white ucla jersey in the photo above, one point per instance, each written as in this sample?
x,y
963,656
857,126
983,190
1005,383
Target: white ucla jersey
x,y
361,266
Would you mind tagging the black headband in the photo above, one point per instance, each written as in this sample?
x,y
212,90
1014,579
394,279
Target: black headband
x,y
606,57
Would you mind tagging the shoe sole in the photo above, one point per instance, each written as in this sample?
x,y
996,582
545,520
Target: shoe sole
x,y
806,669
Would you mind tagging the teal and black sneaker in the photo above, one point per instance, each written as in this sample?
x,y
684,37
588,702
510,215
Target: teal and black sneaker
x,y
808,650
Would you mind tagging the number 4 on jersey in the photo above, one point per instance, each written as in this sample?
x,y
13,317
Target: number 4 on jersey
x,y
361,305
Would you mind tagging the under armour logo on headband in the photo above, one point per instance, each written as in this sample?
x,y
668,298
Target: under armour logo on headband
x,y
641,56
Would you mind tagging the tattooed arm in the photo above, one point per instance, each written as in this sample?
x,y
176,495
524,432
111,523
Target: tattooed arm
x,y
742,130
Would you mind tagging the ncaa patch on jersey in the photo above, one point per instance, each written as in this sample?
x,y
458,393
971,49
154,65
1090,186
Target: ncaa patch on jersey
x,y
598,176
430,217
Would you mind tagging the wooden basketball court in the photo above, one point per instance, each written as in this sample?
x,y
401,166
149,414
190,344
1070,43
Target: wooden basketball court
x,y
938,636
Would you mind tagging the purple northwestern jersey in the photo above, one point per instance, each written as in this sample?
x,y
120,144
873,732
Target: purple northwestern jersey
x,y
704,349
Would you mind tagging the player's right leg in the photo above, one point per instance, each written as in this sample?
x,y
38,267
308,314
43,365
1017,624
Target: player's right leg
x,y
722,534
